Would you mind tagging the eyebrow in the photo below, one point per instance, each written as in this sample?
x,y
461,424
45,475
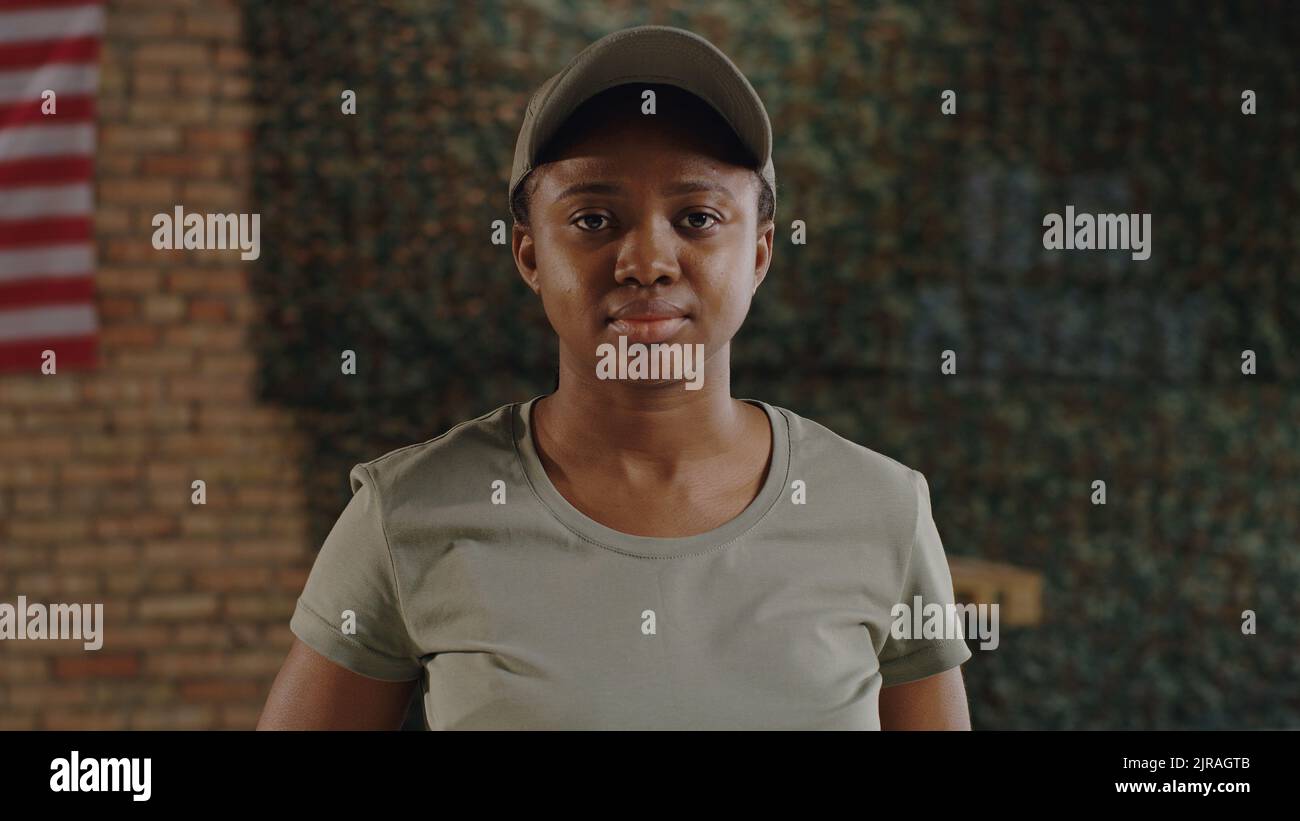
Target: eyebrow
x,y
687,187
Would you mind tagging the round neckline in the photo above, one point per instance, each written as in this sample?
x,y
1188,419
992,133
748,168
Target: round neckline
x,y
654,547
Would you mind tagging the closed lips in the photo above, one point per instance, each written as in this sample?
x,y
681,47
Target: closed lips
x,y
647,310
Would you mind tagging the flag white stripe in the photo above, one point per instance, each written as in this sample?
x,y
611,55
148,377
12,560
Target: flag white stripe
x,y
47,260
46,141
56,24
55,262
61,78
38,323
46,201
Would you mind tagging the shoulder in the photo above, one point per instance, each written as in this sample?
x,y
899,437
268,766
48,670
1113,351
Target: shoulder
x,y
882,486
479,446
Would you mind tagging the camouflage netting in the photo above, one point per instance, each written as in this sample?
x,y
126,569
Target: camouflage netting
x,y
924,234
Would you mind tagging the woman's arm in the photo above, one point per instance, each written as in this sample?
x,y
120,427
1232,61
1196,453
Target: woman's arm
x,y
313,693
934,703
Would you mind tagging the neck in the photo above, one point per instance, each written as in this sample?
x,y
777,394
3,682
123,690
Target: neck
x,y
630,426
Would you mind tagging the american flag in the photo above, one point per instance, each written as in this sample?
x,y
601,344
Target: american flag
x,y
47,147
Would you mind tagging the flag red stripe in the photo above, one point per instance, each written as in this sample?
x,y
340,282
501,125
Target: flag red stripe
x,y
72,109
45,291
45,231
70,351
33,54
68,49
46,170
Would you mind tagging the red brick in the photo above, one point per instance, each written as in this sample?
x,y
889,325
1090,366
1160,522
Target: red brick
x,y
241,717
185,552
236,86
222,25
137,250
26,696
179,607
140,23
153,83
17,475
156,361
99,447
64,420
129,335
228,280
179,110
24,669
263,550
153,417
234,114
209,310
103,719
182,165
113,163
19,721
29,501
173,53
59,584
191,717
172,664
210,390
129,636
218,195
202,83
293,579
84,473
96,665
38,389
164,308
218,139
201,634
152,192
110,279
136,526
141,137
233,578
221,690
112,308
95,556
254,662
206,336
39,531
110,220
229,57
29,447
248,419
260,607
116,388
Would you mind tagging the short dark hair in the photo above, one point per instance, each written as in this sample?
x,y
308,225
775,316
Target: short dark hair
x,y
627,95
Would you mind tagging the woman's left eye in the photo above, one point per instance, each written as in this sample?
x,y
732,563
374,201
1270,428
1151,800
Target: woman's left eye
x,y
704,214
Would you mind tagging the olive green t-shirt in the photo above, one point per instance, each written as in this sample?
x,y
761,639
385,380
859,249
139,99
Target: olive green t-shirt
x,y
458,563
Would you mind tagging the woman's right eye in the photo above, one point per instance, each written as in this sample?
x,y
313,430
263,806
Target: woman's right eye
x,y
590,217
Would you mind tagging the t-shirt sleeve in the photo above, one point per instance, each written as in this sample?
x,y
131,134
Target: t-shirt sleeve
x,y
354,571
927,575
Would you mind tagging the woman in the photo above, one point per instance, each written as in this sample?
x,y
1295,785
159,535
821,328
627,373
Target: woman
x,y
632,552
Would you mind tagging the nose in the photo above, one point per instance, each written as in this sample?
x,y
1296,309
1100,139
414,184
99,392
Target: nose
x,y
648,254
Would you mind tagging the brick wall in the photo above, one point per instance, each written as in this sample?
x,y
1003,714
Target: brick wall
x,y
95,481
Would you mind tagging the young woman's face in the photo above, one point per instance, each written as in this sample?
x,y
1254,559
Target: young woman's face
x,y
646,223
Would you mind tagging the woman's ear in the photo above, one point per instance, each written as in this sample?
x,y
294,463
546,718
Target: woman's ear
x,y
763,253
523,250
